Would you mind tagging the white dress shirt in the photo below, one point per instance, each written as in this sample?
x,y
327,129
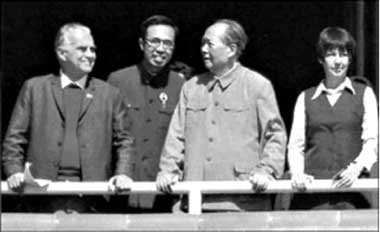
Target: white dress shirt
x,y
368,155
65,81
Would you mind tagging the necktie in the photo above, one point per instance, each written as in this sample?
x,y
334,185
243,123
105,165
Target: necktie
x,y
70,158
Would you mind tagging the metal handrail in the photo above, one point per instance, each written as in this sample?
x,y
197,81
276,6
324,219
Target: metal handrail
x,y
194,189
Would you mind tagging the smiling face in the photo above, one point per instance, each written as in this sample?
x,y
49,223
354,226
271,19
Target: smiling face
x,y
335,63
215,53
158,46
77,53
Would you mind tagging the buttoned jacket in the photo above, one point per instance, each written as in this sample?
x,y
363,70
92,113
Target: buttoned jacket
x,y
151,102
227,135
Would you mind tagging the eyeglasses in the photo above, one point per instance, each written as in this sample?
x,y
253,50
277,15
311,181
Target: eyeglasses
x,y
156,42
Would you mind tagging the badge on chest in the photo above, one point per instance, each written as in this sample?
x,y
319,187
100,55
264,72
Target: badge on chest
x,y
163,98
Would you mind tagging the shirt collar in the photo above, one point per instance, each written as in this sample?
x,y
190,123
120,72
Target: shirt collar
x,y
65,81
226,79
346,84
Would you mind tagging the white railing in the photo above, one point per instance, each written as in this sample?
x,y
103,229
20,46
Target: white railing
x,y
194,189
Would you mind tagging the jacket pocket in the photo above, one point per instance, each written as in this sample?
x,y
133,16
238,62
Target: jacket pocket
x,y
233,107
195,112
237,118
242,170
132,106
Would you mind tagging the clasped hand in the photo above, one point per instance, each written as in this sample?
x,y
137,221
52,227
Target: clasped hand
x,y
342,179
120,183
348,176
116,183
16,181
165,181
260,181
300,181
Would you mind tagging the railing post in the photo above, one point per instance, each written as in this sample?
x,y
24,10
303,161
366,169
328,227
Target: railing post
x,y
195,201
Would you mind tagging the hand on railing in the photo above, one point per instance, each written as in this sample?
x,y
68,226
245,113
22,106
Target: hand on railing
x,y
16,181
347,176
300,181
120,183
165,181
260,181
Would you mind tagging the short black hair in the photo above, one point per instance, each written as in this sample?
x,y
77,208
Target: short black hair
x,y
157,20
335,37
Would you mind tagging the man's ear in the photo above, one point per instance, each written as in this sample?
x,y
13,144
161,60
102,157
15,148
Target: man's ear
x,y
141,44
320,61
60,53
234,50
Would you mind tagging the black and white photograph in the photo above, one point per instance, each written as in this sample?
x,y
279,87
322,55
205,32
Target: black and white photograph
x,y
189,115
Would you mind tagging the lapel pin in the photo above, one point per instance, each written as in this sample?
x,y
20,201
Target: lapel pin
x,y
163,98
89,95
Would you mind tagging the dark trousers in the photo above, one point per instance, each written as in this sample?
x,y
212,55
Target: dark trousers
x,y
162,204
53,203
334,201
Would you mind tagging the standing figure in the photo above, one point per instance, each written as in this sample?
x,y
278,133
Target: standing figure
x,y
69,127
334,132
151,91
226,126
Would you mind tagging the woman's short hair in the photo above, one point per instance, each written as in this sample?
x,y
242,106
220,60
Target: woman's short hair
x,y
335,37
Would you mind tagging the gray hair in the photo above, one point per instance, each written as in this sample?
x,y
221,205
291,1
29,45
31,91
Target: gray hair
x,y
234,34
62,33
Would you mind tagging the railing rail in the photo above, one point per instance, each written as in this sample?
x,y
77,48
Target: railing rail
x,y
194,189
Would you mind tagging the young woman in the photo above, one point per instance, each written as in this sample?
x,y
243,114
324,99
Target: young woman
x,y
334,132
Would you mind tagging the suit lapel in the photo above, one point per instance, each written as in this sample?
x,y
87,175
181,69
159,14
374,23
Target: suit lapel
x,y
58,95
89,94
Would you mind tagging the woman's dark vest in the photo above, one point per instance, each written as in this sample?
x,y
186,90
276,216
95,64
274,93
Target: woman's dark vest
x,y
333,133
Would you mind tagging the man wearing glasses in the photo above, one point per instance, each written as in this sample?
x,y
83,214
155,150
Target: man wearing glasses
x,y
151,91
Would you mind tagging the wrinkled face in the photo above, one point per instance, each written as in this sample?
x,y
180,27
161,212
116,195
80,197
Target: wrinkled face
x,y
215,52
336,63
158,45
78,52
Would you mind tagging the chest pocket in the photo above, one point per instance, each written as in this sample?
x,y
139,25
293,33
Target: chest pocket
x,y
132,107
235,114
134,110
195,112
165,112
168,108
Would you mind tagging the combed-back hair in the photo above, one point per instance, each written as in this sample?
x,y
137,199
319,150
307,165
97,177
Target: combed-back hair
x,y
62,33
234,34
157,20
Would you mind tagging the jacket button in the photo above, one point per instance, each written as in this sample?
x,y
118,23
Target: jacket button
x,y
59,144
210,140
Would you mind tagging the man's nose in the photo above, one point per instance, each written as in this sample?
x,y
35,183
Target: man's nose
x,y
160,47
90,53
204,48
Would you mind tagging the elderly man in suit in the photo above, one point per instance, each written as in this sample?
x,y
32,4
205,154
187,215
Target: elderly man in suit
x,y
226,126
70,127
